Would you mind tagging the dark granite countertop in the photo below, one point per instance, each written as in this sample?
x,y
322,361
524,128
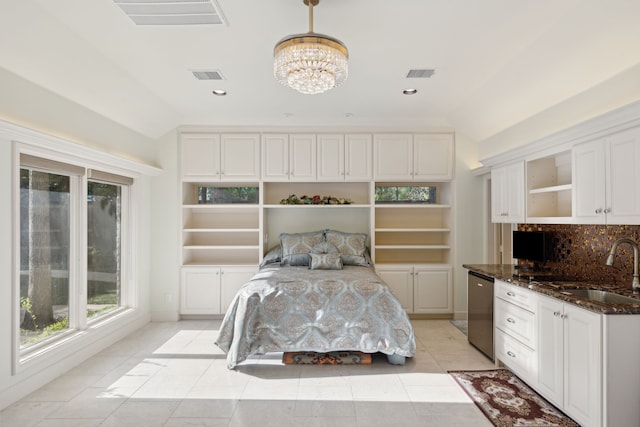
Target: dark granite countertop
x,y
553,287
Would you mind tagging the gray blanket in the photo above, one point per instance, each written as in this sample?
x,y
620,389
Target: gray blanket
x,y
297,309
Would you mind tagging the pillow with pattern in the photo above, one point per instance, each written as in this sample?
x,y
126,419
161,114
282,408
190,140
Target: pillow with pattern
x,y
325,248
296,247
328,261
352,246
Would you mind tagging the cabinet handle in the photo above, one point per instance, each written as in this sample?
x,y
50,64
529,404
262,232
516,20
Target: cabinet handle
x,y
510,320
556,313
599,210
607,210
564,316
511,294
511,354
480,284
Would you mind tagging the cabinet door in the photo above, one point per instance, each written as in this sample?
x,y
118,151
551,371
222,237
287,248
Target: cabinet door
x,y
582,365
275,157
331,158
499,195
240,157
623,177
302,157
433,157
432,290
358,157
231,280
200,156
589,183
550,349
393,157
507,193
200,291
400,280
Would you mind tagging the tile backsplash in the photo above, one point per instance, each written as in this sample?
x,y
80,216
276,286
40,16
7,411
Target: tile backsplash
x,y
579,251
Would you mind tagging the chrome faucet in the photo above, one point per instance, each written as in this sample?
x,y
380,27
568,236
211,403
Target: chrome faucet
x,y
635,284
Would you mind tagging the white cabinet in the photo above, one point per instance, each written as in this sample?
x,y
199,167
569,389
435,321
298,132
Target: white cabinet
x,y
515,329
289,157
344,157
409,157
210,290
549,189
570,359
507,193
607,179
420,288
225,157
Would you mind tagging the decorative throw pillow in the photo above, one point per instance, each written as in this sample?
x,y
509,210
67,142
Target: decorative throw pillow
x,y
352,246
273,256
296,247
330,261
324,248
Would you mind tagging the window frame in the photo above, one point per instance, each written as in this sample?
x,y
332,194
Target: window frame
x,y
57,150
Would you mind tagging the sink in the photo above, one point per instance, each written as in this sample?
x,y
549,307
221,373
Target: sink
x,y
600,296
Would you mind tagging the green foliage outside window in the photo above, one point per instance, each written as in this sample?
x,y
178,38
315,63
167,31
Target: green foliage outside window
x,y
405,194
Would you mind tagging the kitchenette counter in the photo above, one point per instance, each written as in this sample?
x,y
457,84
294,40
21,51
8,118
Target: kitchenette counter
x,y
559,287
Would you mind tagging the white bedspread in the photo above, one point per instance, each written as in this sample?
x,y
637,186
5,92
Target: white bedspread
x,y
297,309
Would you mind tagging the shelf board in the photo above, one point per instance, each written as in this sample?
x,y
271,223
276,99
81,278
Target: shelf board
x,y
222,206
552,189
549,219
221,247
412,230
412,247
220,230
218,264
279,206
411,205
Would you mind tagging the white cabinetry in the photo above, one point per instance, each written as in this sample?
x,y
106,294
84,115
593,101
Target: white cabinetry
x,y
570,359
420,288
210,290
607,179
549,189
515,329
344,157
408,157
225,157
289,157
507,193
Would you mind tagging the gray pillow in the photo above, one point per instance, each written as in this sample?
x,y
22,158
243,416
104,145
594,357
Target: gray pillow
x,y
324,248
296,247
352,246
328,261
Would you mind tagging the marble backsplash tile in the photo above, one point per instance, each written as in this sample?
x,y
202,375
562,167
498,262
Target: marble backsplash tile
x,y
580,251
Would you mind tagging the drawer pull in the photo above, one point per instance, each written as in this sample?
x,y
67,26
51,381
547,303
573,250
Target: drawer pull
x,y
511,294
556,313
511,354
510,320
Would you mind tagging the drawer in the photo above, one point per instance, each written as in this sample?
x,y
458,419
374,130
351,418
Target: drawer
x,y
515,295
516,321
516,356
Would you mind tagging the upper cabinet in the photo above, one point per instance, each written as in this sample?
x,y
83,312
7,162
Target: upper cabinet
x,y
345,157
224,157
549,189
408,157
289,157
607,179
507,193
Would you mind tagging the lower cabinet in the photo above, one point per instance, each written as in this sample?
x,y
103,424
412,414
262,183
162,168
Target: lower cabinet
x,y
210,290
570,351
420,288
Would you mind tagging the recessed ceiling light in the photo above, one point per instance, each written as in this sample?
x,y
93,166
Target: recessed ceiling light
x,y
410,91
219,92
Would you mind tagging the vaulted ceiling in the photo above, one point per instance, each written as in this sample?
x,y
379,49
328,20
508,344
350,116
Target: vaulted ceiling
x,y
496,62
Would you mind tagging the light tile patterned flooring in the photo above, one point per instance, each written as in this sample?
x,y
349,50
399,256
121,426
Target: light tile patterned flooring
x,y
172,375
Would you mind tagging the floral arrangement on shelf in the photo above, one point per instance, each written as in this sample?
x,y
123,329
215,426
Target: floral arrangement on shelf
x,y
315,200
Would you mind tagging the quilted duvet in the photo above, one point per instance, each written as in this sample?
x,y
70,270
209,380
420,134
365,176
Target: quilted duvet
x,y
297,309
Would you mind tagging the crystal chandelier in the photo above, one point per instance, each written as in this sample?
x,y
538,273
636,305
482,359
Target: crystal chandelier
x,y
310,63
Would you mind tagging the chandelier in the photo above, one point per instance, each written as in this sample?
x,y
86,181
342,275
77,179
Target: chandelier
x,y
310,63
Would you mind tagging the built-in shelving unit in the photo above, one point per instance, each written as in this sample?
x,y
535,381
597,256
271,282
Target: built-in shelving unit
x,y
549,189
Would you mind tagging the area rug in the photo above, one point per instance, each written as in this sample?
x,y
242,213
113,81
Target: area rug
x,y
461,325
507,401
330,358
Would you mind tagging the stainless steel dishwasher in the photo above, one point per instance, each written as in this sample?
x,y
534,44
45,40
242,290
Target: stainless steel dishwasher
x,y
480,312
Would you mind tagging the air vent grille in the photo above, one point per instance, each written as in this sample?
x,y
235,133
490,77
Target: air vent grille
x,y
172,12
208,75
420,73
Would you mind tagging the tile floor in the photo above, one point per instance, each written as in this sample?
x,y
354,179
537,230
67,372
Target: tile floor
x,y
171,375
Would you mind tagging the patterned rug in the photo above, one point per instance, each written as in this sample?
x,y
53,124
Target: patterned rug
x,y
507,401
330,358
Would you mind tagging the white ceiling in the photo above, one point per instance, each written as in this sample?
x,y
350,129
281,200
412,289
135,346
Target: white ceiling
x,y
497,62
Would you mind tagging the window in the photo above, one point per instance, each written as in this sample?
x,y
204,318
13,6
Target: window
x,y
405,194
68,214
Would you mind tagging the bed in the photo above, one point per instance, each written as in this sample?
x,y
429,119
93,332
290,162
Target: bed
x,y
317,292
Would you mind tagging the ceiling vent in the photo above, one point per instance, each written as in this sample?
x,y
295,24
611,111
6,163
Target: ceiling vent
x,y
208,75
420,73
172,12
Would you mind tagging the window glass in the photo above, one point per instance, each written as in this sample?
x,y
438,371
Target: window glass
x,y
104,248
44,255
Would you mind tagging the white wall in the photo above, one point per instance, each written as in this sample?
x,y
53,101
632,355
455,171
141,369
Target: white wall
x,y
31,106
